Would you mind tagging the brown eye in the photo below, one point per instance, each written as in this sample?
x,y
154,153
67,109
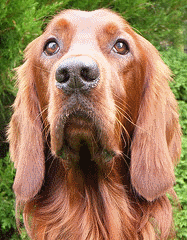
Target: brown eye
x,y
51,48
121,47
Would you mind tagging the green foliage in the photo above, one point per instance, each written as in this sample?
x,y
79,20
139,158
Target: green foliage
x,y
181,190
177,61
7,213
160,21
7,200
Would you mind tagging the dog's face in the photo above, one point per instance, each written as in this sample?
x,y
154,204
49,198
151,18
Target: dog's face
x,y
100,92
89,83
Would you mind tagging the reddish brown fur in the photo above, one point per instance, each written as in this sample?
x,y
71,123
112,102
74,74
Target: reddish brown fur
x,y
133,106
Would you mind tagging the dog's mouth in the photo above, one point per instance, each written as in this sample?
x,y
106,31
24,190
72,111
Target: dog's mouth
x,y
82,142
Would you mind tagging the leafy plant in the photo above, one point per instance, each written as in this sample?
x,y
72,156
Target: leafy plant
x,y
160,21
177,61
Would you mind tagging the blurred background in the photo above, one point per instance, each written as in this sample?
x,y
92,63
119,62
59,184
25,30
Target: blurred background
x,y
162,22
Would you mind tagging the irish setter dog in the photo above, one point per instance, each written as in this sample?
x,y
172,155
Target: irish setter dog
x,y
95,132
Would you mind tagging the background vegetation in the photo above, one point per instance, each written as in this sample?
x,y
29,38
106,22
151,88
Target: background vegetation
x,y
162,22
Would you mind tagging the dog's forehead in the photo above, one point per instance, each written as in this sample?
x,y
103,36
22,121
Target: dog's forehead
x,y
88,20
97,15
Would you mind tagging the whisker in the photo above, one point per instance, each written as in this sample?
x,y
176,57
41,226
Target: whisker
x,y
127,117
112,167
43,69
127,134
121,101
41,112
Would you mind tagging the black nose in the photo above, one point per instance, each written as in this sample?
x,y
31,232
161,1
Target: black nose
x,y
77,73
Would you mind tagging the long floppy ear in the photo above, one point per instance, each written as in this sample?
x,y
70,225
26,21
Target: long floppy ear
x,y
156,140
25,136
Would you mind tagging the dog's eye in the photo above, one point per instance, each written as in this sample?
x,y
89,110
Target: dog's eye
x,y
51,48
121,47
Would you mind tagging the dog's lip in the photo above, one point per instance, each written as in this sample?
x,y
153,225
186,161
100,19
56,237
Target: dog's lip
x,y
79,119
80,127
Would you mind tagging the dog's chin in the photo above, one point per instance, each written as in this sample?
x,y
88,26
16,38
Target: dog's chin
x,y
82,143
